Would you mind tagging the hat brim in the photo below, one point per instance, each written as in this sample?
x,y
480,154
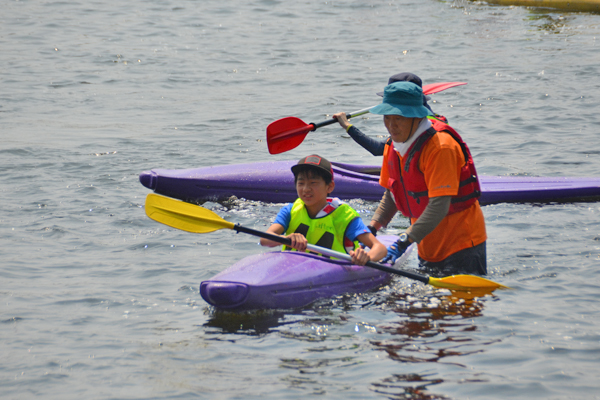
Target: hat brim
x,y
402,110
296,168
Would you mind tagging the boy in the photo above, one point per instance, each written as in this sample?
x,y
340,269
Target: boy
x,y
320,220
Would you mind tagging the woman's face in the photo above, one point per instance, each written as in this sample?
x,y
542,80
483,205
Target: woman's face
x,y
400,128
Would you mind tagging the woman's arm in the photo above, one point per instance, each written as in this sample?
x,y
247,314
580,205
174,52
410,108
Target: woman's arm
x,y
434,213
385,211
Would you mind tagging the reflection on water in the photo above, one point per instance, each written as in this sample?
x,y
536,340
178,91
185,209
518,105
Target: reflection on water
x,y
408,386
253,323
430,329
430,326
212,75
317,317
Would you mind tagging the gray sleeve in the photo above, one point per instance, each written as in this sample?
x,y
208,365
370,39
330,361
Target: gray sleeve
x,y
434,213
386,209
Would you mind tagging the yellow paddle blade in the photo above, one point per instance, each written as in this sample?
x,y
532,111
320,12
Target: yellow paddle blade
x,y
185,216
465,282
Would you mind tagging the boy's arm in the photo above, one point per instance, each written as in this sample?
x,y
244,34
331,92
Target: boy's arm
x,y
376,250
276,229
280,226
298,240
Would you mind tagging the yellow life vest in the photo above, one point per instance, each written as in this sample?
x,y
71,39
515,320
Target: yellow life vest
x,y
328,231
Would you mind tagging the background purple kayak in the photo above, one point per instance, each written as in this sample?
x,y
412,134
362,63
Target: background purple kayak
x,y
273,182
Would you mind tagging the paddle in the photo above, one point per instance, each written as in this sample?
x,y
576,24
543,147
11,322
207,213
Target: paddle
x,y
196,219
440,86
287,133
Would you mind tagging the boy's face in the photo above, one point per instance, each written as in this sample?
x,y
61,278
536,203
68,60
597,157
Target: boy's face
x,y
312,189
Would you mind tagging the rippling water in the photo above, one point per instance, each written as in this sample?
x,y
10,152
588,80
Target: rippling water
x,y
98,301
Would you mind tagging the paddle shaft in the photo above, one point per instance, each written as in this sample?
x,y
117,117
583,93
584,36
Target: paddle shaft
x,y
287,133
314,126
331,253
427,89
191,218
334,120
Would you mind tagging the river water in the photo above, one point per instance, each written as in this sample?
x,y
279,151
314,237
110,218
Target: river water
x,y
98,301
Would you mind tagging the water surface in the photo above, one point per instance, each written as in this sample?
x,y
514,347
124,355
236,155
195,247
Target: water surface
x,y
98,301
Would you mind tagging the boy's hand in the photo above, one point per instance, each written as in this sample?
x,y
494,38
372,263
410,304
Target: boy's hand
x,y
298,241
359,256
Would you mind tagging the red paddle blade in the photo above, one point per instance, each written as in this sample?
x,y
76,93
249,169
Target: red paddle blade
x,y
438,87
286,134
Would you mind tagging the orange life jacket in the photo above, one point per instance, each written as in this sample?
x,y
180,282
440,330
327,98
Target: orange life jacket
x,y
408,186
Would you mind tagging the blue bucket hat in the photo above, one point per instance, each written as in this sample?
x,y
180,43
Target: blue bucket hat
x,y
408,77
402,98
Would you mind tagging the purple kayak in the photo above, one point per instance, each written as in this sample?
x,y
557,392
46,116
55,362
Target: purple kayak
x,y
286,279
274,182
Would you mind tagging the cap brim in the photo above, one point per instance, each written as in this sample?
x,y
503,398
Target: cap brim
x,y
296,167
